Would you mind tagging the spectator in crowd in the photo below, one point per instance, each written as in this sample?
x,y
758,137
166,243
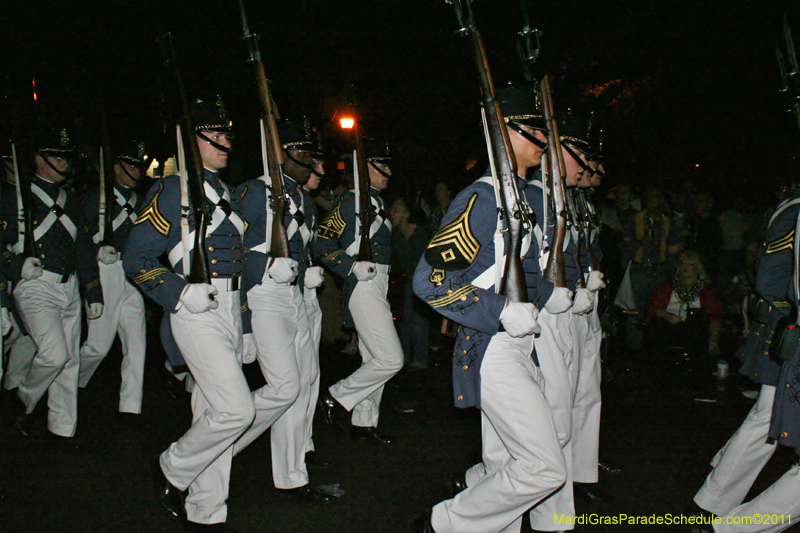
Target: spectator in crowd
x,y
686,311
410,237
705,233
652,246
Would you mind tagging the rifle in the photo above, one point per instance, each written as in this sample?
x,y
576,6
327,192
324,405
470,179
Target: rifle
x,y
199,272
573,220
587,222
555,174
527,49
362,184
272,151
791,83
20,152
501,157
105,227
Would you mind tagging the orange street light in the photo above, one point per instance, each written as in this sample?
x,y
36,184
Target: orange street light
x,y
347,123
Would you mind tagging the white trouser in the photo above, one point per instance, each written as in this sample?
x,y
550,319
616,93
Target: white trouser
x,y
286,357
123,313
554,348
522,459
779,503
587,402
738,463
381,352
21,350
52,315
222,407
314,313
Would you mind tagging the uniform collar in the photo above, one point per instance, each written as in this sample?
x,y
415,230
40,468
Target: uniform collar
x,y
46,185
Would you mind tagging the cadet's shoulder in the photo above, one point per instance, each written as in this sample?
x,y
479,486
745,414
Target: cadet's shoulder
x,y
257,184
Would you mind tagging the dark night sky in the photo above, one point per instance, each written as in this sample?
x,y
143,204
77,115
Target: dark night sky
x,y
698,79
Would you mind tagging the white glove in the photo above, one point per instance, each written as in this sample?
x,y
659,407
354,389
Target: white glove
x,y
519,319
560,300
584,301
314,277
199,297
5,317
282,270
249,348
107,255
94,311
365,270
32,268
595,281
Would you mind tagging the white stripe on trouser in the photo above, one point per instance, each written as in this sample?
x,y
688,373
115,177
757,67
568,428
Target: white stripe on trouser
x,y
123,313
587,403
222,407
779,503
21,351
381,352
521,454
286,357
52,315
558,366
738,463
314,313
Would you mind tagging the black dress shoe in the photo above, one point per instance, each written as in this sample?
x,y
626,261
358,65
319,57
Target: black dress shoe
x,y
370,434
306,493
609,468
583,493
421,524
313,460
193,527
328,407
168,495
457,482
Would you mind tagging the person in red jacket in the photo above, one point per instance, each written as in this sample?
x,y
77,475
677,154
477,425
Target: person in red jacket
x,y
675,305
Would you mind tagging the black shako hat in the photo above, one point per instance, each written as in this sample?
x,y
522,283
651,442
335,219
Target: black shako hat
x,y
296,135
377,149
210,114
518,100
574,129
54,141
133,152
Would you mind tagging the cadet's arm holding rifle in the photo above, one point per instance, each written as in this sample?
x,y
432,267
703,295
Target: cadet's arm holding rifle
x,y
273,152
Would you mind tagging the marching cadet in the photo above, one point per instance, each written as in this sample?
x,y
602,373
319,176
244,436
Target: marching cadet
x,y
738,463
46,287
364,294
276,318
18,346
206,324
554,346
124,307
587,335
493,369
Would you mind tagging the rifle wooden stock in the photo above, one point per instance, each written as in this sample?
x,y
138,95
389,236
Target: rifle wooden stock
x,y
199,272
279,243
106,197
513,285
554,269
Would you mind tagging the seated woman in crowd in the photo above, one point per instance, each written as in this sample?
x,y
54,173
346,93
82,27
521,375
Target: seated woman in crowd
x,y
686,311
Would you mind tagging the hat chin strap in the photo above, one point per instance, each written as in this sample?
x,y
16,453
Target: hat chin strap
x,y
49,164
526,135
218,146
125,170
381,172
308,166
577,158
